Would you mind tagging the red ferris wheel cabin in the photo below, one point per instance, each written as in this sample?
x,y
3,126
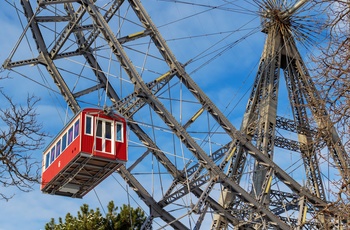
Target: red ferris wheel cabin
x,y
88,149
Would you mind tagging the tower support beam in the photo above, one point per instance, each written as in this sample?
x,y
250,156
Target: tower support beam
x,y
86,29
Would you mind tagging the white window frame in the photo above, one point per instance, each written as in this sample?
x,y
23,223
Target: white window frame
x,y
76,133
121,131
65,141
103,132
47,159
91,124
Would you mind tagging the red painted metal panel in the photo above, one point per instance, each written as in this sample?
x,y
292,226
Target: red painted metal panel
x,y
61,162
98,145
108,146
121,151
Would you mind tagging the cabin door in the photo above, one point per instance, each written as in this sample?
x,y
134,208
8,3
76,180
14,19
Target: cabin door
x,y
105,136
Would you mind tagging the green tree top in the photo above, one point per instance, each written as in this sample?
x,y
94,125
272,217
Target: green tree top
x,y
89,219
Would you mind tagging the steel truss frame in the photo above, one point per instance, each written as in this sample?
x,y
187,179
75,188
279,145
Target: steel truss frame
x,y
256,138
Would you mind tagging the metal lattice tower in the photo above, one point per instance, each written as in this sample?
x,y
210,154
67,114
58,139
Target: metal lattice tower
x,y
199,175
261,122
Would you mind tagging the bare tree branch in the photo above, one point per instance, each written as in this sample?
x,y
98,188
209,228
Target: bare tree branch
x,y
21,136
333,78
333,65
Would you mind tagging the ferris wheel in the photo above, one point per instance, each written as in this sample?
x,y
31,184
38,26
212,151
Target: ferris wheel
x,y
153,64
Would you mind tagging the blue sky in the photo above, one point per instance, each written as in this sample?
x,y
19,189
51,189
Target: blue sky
x,y
226,79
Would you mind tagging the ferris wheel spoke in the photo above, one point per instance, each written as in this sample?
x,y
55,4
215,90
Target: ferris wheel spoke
x,y
147,198
67,31
158,107
188,162
195,175
52,69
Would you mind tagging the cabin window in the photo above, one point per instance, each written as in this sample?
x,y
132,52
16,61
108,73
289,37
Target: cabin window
x,y
58,148
108,130
99,128
70,135
47,160
88,125
52,155
119,132
76,129
104,129
64,141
